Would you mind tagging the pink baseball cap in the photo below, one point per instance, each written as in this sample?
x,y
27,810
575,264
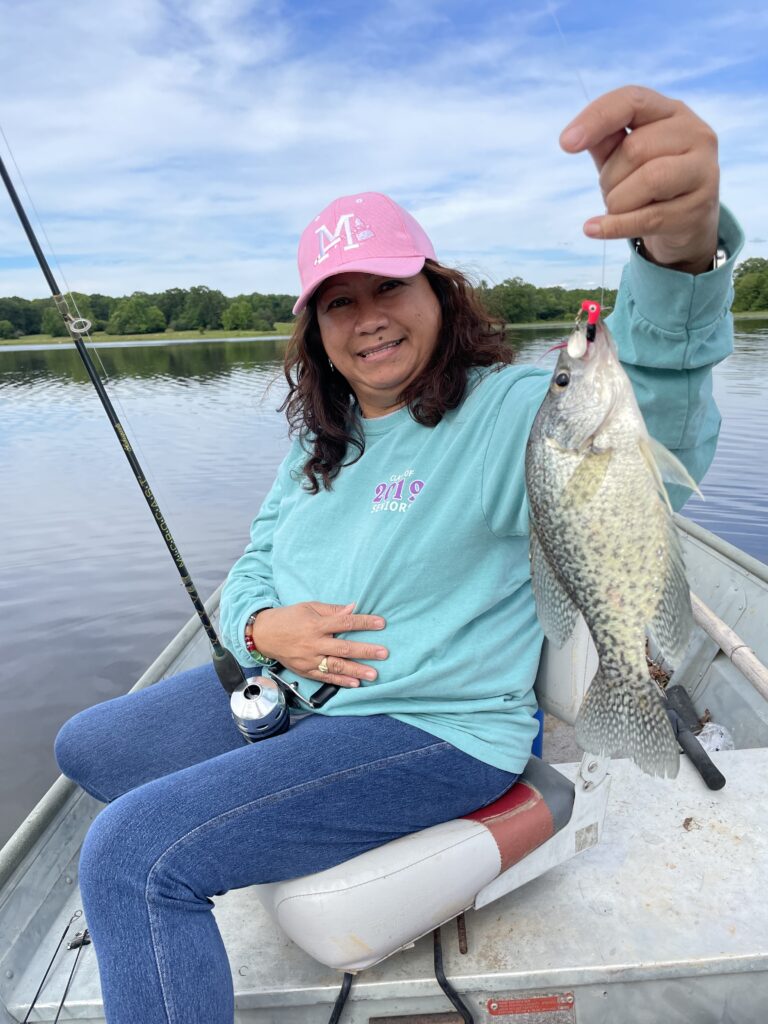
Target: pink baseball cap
x,y
368,233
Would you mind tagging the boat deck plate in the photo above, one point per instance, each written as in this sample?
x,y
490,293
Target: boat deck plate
x,y
673,896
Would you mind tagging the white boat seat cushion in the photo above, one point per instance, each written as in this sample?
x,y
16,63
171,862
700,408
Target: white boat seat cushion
x,y
359,912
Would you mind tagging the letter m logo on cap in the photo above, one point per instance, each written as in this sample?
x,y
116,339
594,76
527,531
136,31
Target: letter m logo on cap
x,y
327,239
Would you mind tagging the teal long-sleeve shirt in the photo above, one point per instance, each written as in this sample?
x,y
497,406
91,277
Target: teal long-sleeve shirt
x,y
429,528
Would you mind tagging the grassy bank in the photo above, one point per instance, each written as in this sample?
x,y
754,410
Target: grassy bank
x,y
169,336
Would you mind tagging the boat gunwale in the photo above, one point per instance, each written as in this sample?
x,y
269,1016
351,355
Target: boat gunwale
x,y
32,828
744,561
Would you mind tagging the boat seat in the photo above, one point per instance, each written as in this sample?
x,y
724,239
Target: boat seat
x,y
359,912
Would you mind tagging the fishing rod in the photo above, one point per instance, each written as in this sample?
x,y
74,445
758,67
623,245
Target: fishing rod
x,y
258,704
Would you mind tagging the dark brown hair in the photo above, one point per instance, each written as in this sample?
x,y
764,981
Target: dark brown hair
x,y
320,405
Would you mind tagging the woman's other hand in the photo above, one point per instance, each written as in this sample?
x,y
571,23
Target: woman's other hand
x,y
658,174
300,636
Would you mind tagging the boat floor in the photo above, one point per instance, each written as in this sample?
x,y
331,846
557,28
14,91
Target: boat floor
x,y
672,899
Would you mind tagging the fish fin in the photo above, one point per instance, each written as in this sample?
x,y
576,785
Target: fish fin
x,y
672,621
587,478
666,466
556,611
628,716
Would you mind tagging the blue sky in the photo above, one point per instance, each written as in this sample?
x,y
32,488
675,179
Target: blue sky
x,y
170,143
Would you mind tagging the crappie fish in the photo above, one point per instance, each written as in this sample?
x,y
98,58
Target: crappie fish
x,y
603,543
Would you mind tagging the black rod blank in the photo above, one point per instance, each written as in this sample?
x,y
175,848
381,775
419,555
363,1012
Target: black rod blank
x,y
229,672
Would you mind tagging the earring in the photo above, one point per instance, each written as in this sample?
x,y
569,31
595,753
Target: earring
x,y
331,366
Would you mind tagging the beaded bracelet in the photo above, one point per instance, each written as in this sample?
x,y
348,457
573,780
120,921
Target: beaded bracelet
x,y
257,656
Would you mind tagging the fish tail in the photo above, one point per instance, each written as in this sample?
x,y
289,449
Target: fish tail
x,y
628,716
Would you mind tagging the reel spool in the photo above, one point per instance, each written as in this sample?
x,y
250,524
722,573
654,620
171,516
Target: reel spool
x,y
259,709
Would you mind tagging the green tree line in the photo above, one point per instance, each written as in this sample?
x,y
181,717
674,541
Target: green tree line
x,y
178,309
202,308
750,286
518,302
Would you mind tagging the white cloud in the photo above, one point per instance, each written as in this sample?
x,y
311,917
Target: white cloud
x,y
175,145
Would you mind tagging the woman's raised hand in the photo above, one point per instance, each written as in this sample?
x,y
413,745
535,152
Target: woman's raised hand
x,y
303,636
658,174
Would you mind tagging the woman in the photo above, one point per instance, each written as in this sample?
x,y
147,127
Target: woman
x,y
390,558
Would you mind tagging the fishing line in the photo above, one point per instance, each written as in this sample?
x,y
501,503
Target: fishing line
x,y
556,20
258,705
80,942
73,302
229,672
75,916
575,67
41,226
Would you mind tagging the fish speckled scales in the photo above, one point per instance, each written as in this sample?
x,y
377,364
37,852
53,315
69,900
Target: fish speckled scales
x,y
606,537
556,611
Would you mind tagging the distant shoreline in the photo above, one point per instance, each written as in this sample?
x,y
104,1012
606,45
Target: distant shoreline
x,y
45,341
167,337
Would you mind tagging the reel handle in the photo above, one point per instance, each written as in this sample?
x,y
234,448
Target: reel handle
x,y
323,695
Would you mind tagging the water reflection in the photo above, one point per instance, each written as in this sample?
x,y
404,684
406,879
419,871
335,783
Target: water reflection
x,y
735,504
88,594
180,362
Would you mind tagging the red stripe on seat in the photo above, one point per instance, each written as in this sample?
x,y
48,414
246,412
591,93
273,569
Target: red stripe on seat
x,y
519,821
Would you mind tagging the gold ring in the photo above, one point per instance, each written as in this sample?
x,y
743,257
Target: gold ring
x,y
323,666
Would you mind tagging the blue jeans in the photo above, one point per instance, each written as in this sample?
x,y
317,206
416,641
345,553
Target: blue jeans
x,y
193,811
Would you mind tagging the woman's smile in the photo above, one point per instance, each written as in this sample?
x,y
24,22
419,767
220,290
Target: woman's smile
x,y
379,333
376,351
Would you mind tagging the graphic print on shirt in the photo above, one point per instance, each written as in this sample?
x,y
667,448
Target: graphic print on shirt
x,y
398,493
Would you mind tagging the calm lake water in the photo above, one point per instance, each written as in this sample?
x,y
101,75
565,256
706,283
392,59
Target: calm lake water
x,y
88,594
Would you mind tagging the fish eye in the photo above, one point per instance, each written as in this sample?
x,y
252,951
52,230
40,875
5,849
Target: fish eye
x,y
563,379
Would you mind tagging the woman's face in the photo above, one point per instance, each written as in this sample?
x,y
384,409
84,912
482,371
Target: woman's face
x,y
379,332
